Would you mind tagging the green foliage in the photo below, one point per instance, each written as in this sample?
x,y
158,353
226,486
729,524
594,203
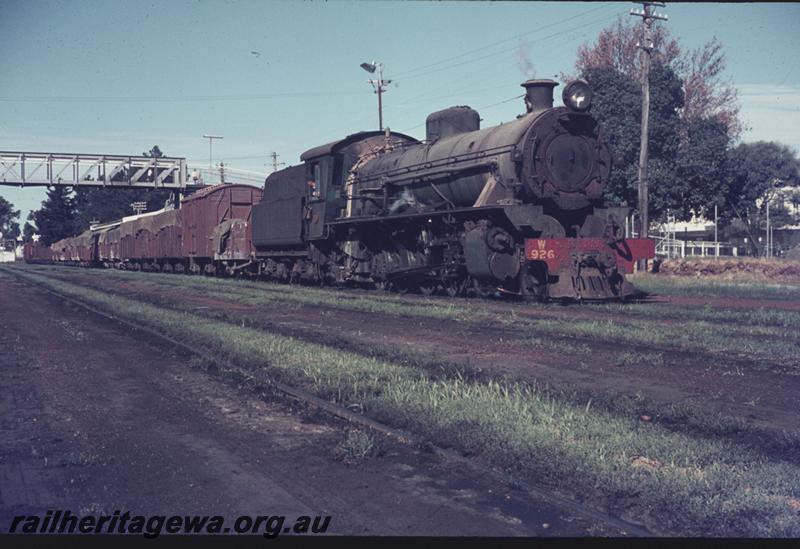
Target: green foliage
x,y
701,160
104,204
356,447
9,226
687,158
693,118
755,172
29,229
757,168
56,218
692,483
617,105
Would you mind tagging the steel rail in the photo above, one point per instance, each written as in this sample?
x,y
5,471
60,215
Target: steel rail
x,y
403,437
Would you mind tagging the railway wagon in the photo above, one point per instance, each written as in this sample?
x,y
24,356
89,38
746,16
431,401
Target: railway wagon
x,y
210,233
76,250
35,252
216,230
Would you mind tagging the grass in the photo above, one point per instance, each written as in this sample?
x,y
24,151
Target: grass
x,y
753,317
356,447
680,417
633,358
695,286
699,332
690,336
691,484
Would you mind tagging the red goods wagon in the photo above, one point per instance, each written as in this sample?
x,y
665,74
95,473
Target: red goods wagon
x,y
108,243
35,252
148,238
216,222
76,249
143,243
127,236
233,240
167,239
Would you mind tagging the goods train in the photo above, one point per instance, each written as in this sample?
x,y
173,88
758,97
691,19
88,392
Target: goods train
x,y
513,209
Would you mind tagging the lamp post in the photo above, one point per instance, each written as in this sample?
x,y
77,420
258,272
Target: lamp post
x,y
378,85
211,139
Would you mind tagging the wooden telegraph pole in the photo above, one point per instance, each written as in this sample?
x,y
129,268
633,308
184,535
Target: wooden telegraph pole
x,y
275,163
648,16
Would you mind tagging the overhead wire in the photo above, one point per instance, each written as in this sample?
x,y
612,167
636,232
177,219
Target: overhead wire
x,y
478,109
501,52
483,74
183,98
510,39
409,74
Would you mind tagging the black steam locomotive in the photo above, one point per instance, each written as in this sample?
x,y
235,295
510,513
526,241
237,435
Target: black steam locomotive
x,y
511,209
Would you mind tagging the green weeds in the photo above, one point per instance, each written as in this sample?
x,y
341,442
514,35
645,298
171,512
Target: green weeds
x,y
691,484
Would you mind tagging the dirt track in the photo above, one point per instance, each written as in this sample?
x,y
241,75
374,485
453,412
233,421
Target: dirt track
x,y
95,419
765,397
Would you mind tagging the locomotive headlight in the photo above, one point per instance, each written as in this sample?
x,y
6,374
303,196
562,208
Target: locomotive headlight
x,y
577,96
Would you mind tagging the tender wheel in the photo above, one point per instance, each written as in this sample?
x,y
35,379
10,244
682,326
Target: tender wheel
x,y
428,288
454,288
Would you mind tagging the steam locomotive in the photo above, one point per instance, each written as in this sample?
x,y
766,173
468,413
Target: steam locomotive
x,y
511,209
514,209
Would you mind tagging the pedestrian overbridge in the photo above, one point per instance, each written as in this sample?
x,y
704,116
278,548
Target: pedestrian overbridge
x,y
26,169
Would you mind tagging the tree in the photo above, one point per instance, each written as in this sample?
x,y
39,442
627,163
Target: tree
x,y
617,105
56,218
701,164
108,204
615,100
757,170
616,48
706,93
155,152
29,229
755,173
9,226
693,117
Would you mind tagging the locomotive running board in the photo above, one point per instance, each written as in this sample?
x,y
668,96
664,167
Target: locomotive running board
x,y
415,215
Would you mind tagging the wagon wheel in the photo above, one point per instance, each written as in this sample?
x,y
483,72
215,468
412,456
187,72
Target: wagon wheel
x,y
455,287
401,287
480,290
428,288
383,285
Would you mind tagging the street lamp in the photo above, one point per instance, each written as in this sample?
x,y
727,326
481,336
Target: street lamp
x,y
211,139
378,85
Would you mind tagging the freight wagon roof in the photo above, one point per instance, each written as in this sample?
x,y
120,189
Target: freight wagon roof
x,y
106,226
328,148
205,191
141,215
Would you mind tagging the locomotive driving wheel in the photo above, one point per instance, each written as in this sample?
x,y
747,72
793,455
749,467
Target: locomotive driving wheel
x,y
454,288
428,288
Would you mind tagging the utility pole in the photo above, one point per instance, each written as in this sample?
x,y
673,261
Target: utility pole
x,y
716,235
378,85
769,241
211,139
275,162
648,16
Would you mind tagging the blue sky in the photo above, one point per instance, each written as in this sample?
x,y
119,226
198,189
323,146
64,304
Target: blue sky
x,y
118,77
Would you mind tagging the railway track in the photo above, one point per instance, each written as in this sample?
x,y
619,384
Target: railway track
x,y
297,394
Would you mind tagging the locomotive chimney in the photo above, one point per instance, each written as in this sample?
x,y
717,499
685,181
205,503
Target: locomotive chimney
x,y
539,94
